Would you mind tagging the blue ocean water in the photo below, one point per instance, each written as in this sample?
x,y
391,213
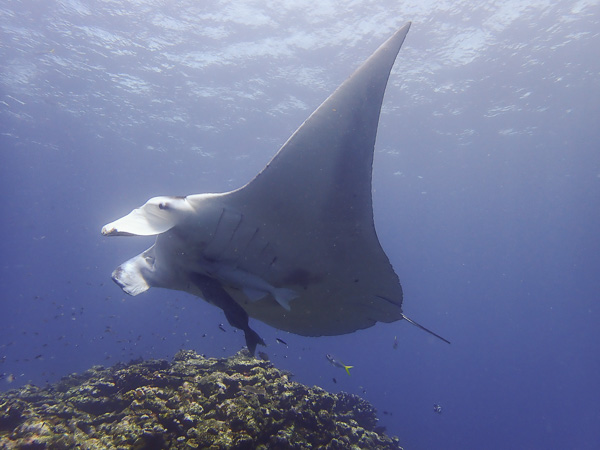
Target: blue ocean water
x,y
486,193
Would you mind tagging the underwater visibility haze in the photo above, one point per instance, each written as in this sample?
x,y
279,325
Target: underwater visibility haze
x,y
486,194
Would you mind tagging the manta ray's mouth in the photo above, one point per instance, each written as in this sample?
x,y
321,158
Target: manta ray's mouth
x,y
111,231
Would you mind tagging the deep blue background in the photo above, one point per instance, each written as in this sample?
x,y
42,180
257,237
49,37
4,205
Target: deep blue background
x,y
486,193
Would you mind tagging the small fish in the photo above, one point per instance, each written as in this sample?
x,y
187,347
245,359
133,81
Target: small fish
x,y
334,380
337,363
395,342
281,341
437,408
222,328
10,378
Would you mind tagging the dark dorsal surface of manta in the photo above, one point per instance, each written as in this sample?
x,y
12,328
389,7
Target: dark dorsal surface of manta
x,y
296,247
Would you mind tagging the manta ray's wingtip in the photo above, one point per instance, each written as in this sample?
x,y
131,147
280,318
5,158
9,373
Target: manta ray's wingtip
x,y
403,30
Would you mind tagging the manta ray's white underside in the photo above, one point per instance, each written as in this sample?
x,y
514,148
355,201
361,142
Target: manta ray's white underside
x,y
296,247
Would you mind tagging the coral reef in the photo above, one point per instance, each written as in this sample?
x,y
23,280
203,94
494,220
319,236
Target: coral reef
x,y
239,402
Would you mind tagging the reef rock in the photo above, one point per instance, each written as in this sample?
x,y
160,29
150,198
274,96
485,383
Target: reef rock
x,y
193,402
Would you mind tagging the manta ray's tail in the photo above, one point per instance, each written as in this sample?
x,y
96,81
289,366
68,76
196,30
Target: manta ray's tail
x,y
424,329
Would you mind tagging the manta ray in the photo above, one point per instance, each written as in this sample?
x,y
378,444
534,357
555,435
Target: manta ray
x,y
296,247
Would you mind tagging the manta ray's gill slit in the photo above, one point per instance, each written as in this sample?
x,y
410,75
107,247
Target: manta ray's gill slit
x,y
220,220
208,252
256,231
262,256
227,225
262,251
239,224
235,250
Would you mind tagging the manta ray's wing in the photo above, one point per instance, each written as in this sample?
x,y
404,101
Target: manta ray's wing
x,y
326,164
311,210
